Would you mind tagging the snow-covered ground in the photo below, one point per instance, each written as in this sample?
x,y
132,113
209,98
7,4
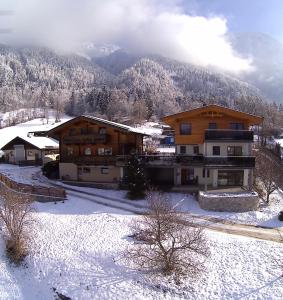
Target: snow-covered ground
x,y
25,175
266,216
77,249
8,133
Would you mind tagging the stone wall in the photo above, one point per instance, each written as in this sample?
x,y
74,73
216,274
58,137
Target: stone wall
x,y
230,202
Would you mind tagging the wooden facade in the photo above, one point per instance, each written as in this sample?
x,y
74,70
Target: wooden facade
x,y
85,137
201,118
91,149
213,144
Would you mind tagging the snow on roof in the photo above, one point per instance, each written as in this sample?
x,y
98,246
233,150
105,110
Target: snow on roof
x,y
118,125
41,142
280,142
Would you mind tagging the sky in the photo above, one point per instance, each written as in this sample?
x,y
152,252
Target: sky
x,y
194,31
243,15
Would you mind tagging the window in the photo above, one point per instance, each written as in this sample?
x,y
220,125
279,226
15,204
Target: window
x,y
212,126
207,172
196,150
104,151
69,151
107,151
185,128
80,171
102,130
29,153
72,131
237,126
216,150
87,151
104,170
234,151
86,170
100,151
86,130
183,149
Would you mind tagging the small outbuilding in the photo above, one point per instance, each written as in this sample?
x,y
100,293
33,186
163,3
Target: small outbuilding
x,y
29,150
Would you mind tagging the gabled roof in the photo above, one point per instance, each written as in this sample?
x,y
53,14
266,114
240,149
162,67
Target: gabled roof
x,y
40,143
253,119
118,126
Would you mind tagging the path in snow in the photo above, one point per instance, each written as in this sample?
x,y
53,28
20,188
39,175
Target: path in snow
x,y
211,223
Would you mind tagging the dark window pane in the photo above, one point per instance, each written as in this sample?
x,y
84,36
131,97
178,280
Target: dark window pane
x,y
183,149
196,149
185,128
234,151
216,150
237,126
212,126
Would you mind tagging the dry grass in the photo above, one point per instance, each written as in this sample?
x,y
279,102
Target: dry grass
x,y
16,220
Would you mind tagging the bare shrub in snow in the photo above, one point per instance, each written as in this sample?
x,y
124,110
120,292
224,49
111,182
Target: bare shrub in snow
x,y
268,173
16,219
167,243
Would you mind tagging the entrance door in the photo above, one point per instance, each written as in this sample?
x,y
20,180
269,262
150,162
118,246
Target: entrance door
x,y
188,177
19,153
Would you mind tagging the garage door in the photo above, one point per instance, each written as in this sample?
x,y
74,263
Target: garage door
x,y
160,176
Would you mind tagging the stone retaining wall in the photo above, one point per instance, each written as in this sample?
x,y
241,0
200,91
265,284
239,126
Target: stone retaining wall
x,y
41,193
230,202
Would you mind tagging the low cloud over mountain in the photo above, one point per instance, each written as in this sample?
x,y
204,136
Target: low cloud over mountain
x,y
140,26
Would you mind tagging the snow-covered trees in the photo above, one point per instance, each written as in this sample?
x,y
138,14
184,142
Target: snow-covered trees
x,y
268,173
136,178
120,85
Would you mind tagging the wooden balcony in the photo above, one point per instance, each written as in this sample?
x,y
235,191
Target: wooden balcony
x,y
95,138
222,135
90,160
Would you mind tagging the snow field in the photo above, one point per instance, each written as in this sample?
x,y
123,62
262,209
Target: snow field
x,y
77,246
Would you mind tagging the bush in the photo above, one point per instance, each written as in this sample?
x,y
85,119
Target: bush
x,y
280,216
167,243
15,218
51,169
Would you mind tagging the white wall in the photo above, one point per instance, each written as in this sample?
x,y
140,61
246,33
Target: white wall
x,y
246,148
190,149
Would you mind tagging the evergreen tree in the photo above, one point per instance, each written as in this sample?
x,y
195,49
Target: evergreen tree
x,y
136,178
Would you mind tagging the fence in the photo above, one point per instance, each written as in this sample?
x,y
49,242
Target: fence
x,y
38,191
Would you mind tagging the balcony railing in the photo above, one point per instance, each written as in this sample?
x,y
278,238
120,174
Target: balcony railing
x,y
166,160
151,159
233,161
228,135
86,139
190,159
90,160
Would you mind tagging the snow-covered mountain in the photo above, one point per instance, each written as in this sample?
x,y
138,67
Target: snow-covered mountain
x,y
114,82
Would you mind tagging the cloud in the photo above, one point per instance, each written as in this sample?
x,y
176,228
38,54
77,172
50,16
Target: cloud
x,y
140,26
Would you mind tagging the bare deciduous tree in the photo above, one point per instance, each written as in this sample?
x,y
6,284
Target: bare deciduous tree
x,y
167,243
16,218
268,173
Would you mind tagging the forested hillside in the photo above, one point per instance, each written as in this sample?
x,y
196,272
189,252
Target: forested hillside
x,y
117,85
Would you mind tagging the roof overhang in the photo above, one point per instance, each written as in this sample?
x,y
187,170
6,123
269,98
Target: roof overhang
x,y
218,109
